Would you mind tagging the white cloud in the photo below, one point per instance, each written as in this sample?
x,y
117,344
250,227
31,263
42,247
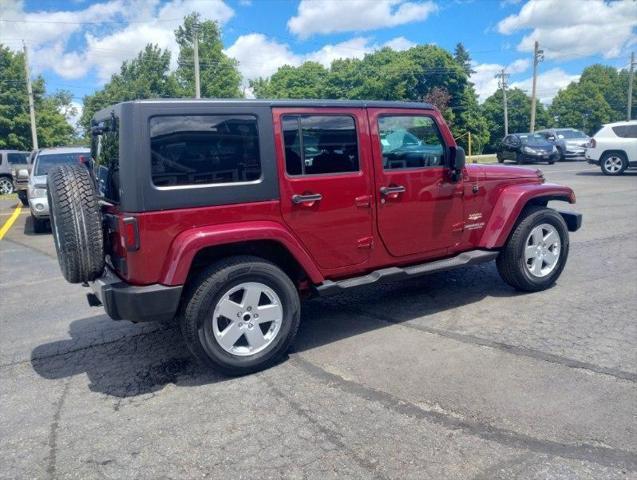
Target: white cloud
x,y
138,22
484,76
329,16
568,29
548,83
260,56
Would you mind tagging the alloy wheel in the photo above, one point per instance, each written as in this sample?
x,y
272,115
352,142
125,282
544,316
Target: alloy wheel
x,y
247,318
542,250
6,186
613,164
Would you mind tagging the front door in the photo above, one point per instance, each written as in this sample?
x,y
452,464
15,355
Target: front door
x,y
326,182
419,207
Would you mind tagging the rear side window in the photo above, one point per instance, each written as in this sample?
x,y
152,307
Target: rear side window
x,y
319,144
204,149
410,142
626,131
105,152
17,158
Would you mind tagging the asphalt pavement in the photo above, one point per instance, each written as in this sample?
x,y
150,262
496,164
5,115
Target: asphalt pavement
x,y
453,375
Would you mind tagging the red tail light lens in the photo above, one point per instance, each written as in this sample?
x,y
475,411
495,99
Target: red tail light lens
x,y
130,235
592,143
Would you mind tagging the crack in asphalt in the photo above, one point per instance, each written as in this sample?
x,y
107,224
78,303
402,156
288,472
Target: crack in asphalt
x,y
605,456
504,347
331,435
53,432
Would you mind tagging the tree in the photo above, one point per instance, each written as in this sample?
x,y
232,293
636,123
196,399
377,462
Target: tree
x,y
519,104
598,97
219,74
305,81
462,58
15,122
581,105
146,76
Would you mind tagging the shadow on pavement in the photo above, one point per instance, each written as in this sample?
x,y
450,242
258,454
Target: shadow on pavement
x,y
122,359
598,173
30,230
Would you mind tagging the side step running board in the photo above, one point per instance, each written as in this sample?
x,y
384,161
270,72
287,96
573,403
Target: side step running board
x,y
473,257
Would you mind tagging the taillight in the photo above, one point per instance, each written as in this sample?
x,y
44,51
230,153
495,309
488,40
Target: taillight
x,y
592,143
130,235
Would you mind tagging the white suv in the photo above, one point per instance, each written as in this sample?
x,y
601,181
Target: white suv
x,y
614,147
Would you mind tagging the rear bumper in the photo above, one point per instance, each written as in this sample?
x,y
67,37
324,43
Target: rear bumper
x,y
149,303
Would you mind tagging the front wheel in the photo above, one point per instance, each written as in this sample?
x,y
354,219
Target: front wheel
x,y
240,315
613,164
536,252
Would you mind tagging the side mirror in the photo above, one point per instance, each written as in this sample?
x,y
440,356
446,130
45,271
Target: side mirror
x,y
23,174
457,162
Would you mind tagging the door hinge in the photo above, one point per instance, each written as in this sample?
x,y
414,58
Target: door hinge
x,y
365,242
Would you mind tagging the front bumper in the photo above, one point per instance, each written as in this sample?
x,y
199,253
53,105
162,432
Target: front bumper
x,y
573,220
122,301
39,207
528,158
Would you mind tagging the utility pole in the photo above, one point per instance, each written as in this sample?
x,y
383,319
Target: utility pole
x,y
630,87
538,56
503,76
34,132
195,42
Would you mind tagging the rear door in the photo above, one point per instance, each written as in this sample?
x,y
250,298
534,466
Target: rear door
x,y
419,208
326,182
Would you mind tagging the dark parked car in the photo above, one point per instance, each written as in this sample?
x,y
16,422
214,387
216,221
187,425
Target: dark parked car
x,y
527,148
571,143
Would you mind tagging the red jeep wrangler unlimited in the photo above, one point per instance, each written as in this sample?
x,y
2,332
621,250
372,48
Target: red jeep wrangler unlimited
x,y
222,214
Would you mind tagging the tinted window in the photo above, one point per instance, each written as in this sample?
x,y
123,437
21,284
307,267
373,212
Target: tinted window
x,y
204,149
17,158
570,134
46,162
410,142
626,131
317,144
105,152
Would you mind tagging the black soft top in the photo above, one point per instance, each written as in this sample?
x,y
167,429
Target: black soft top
x,y
269,103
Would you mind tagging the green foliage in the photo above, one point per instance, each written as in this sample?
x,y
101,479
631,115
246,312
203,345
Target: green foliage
x,y
146,76
52,111
462,58
598,97
519,110
220,77
306,81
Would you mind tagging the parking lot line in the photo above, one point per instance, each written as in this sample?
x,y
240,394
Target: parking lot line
x,y
7,225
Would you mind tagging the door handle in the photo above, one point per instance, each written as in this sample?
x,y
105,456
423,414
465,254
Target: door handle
x,y
309,198
392,190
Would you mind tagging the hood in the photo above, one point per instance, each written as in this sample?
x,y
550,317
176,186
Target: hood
x,y
38,180
502,172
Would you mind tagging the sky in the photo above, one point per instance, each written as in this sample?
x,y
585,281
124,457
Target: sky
x,y
77,45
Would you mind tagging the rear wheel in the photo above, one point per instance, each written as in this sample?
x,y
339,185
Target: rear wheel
x,y
613,163
536,252
240,315
499,157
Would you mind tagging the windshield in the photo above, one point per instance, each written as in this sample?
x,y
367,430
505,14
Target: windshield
x,y
531,138
44,163
570,134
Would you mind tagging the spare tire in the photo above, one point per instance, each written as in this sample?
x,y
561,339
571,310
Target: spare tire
x,y
76,223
